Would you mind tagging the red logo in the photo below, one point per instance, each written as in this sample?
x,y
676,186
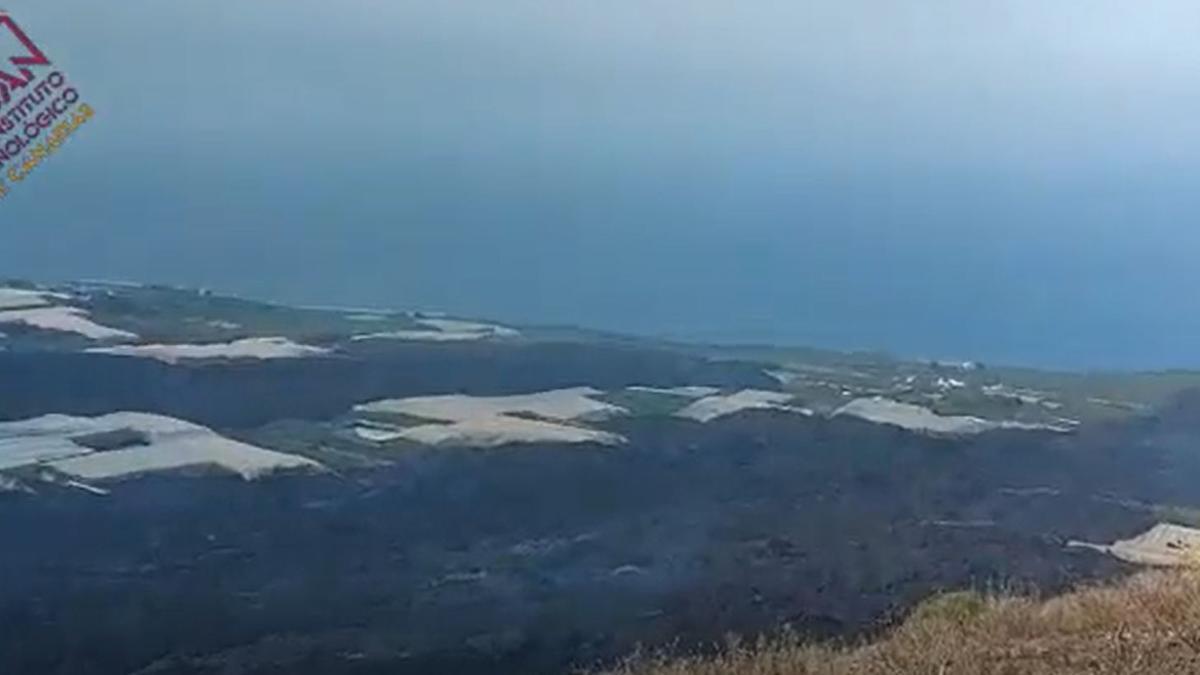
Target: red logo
x,y
31,57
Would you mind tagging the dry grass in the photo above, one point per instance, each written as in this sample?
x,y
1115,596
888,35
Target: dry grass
x,y
1148,624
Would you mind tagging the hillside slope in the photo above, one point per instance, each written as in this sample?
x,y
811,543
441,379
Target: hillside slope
x,y
1147,624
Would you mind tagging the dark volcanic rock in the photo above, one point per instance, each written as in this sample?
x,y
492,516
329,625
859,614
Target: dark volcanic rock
x,y
248,393
532,560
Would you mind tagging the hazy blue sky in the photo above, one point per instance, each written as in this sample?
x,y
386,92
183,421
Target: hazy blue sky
x,y
1011,181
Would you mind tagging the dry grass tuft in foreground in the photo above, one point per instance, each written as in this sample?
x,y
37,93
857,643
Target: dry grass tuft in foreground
x,y
1146,625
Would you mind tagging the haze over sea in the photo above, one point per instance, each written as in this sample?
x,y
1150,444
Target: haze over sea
x,y
1006,181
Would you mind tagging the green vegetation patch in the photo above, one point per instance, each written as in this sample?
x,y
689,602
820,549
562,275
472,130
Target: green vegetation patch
x,y
162,314
646,403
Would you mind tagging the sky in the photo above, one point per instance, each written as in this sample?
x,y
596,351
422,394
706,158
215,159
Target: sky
x,y
1009,181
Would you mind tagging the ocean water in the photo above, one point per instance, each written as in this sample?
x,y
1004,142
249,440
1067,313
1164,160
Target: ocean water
x,y
1078,272
803,173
